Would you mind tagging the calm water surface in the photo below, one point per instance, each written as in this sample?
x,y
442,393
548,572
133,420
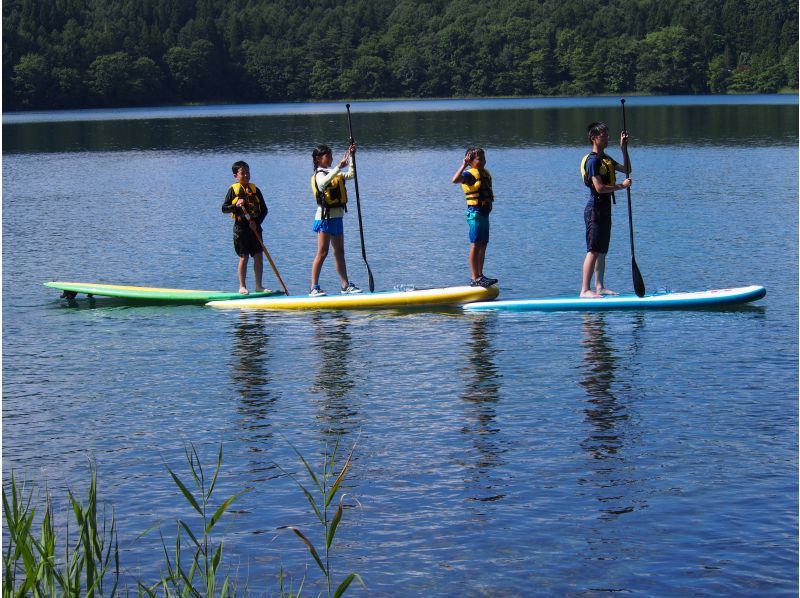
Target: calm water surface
x,y
652,453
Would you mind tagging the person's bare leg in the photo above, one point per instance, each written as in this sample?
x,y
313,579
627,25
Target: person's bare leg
x,y
589,264
241,271
323,240
337,243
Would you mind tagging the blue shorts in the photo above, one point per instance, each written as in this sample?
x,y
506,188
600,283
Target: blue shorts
x,y
332,226
478,227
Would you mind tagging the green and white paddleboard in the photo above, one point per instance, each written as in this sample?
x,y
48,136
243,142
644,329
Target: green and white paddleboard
x,y
121,291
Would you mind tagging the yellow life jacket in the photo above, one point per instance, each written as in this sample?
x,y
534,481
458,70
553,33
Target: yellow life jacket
x,y
607,170
251,204
480,192
333,196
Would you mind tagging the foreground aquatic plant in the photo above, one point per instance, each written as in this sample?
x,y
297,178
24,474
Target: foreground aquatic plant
x,y
201,577
31,565
321,505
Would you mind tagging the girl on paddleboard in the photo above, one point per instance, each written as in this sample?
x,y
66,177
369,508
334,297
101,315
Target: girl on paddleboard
x,y
330,195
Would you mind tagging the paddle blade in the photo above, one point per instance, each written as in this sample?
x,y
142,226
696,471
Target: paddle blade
x,y
638,281
371,281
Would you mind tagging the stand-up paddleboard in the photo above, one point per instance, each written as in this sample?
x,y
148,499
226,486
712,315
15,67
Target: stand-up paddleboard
x,y
667,300
71,289
415,298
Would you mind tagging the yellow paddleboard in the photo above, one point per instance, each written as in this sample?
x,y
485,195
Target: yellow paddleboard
x,y
415,298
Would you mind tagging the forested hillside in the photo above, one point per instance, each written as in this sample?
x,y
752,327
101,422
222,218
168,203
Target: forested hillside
x,y
83,53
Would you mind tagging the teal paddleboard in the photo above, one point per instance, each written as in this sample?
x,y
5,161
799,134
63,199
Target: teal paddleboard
x,y
71,289
666,300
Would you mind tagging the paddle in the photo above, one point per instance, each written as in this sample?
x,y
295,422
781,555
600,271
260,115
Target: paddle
x,y
358,203
269,258
638,281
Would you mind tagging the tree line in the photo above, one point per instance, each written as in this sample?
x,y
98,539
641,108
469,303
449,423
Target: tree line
x,y
103,53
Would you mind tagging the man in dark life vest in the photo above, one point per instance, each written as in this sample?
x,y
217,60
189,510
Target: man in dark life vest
x,y
598,172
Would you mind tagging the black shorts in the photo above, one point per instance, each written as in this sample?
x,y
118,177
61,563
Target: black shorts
x,y
598,228
244,241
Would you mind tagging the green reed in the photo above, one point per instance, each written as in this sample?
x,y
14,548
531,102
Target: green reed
x,y
193,567
328,483
31,565
201,578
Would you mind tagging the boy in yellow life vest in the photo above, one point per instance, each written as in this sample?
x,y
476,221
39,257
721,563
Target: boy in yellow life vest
x,y
476,182
598,175
246,205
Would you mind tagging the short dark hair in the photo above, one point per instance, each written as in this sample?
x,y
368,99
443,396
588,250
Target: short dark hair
x,y
239,164
595,129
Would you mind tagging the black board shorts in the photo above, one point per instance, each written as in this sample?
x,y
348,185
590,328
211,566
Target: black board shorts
x,y
244,241
598,228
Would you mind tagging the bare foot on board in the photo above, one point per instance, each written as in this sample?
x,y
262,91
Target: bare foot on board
x,y
604,291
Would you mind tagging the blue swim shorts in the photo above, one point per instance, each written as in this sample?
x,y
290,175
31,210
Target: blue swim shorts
x,y
478,227
332,226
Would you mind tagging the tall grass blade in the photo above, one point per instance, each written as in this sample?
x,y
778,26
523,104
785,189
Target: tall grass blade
x,y
346,584
188,495
216,473
334,524
309,469
195,465
310,546
190,532
222,508
338,482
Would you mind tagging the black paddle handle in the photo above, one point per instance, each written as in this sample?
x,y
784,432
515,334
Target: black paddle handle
x,y
627,175
358,202
638,281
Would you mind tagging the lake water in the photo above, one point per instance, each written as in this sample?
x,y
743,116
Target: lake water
x,y
498,454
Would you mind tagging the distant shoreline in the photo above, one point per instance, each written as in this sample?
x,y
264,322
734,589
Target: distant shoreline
x,y
217,109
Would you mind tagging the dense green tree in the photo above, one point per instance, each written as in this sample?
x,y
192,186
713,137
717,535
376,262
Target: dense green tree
x,y
718,74
119,79
669,62
69,53
32,82
68,87
193,70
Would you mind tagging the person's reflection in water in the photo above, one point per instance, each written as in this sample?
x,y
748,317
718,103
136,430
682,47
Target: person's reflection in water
x,y
481,393
338,412
251,378
609,417
599,365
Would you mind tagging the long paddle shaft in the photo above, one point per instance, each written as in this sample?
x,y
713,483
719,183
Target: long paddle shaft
x,y
358,203
638,281
269,259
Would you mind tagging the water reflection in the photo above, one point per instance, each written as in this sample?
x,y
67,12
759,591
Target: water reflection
x,y
481,394
608,412
598,372
337,411
251,377
519,127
